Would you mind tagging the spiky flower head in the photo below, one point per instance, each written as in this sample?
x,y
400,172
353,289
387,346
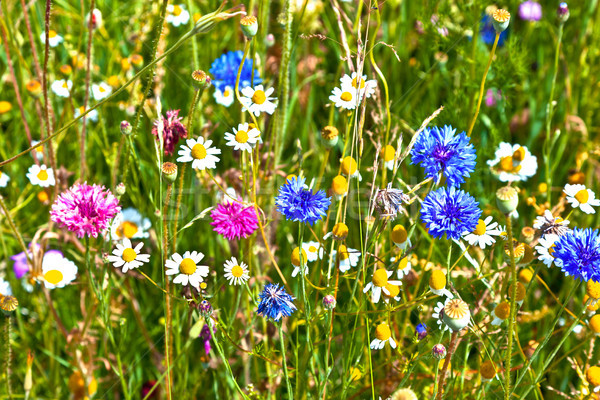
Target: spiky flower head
x,y
300,204
275,302
577,253
172,130
234,220
85,210
450,212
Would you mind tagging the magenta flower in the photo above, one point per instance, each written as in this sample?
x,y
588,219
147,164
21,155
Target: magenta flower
x,y
492,97
173,130
234,221
530,11
85,210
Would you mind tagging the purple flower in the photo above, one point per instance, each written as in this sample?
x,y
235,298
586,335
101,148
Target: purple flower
x,y
492,97
21,267
173,130
85,210
206,336
530,11
234,221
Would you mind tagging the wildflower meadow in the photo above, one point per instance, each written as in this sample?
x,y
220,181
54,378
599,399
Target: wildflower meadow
x,y
299,199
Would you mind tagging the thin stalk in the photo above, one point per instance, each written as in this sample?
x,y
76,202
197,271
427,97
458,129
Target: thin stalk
x,y
225,361
284,82
82,166
285,370
513,308
442,377
168,311
482,87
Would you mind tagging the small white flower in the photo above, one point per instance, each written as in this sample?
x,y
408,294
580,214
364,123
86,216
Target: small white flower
x,y
41,175
258,100
388,154
91,116
186,269
513,162
130,224
62,88
101,90
484,233
348,257
344,97
225,97
367,87
236,273
400,237
380,283
96,19
545,249
57,271
501,313
438,314
5,289
199,152
38,151
383,334
404,267
4,179
54,39
128,257
313,250
177,15
243,138
582,197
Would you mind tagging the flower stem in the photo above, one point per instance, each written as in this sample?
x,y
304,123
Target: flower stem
x,y
442,377
224,359
481,88
513,308
168,307
285,370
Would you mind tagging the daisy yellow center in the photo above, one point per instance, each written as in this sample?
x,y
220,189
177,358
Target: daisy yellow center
x,y
101,89
388,153
480,228
42,196
519,154
296,257
259,97
551,250
399,234
487,370
393,289
65,85
199,151
177,10
237,271
340,230
595,323
339,185
343,252
241,137
403,263
593,289
558,220
127,229
226,93
355,83
582,196
380,277
346,96
382,332
53,276
506,163
129,254
51,33
42,175
437,280
593,376
312,249
187,266
349,165
502,310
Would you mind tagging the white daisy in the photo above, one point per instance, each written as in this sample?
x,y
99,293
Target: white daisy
x,y
513,162
128,257
297,263
101,90
545,249
388,154
41,175
91,116
339,232
187,269
177,15
344,97
437,283
348,257
438,314
236,273
379,283
199,152
383,334
130,224
501,313
62,87
5,289
4,179
38,151
484,233
54,39
313,250
57,271
258,100
404,267
582,197
243,138
400,236
367,87
225,97
547,223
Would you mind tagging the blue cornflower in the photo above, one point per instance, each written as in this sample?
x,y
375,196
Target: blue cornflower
x,y
451,212
440,150
300,204
225,68
577,253
488,33
421,331
275,302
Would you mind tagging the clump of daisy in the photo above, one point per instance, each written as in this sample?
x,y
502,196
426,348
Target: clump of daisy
x,y
85,210
365,88
381,283
172,130
236,273
577,253
383,335
127,257
243,138
130,224
41,175
57,271
444,154
483,234
234,220
581,197
450,212
275,302
298,203
200,153
186,269
258,100
513,163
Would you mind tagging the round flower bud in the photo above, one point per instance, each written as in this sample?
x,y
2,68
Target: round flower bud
x,y
507,199
421,331
500,20
329,302
120,189
502,310
270,40
439,351
249,25
456,314
34,88
201,79
404,394
9,303
528,255
126,128
205,309
593,376
592,288
525,276
488,370
595,324
520,292
169,171
329,136
562,12
518,251
340,231
528,234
